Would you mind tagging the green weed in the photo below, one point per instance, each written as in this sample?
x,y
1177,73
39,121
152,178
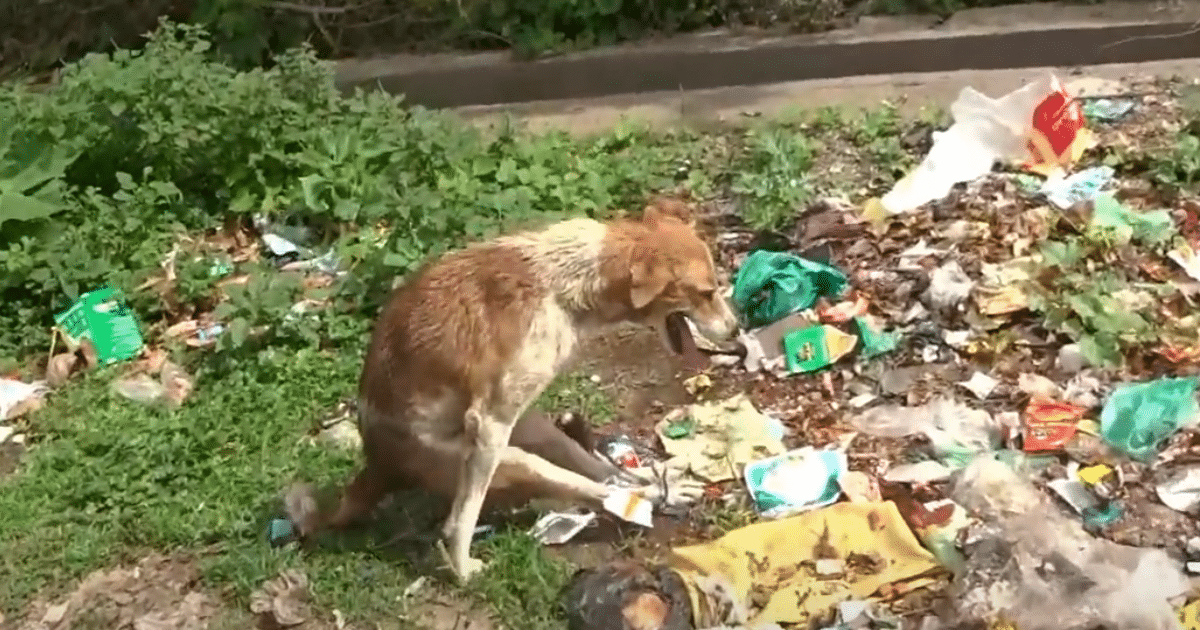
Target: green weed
x,y
772,177
576,392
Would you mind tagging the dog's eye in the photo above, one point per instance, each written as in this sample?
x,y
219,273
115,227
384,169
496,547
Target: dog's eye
x,y
708,294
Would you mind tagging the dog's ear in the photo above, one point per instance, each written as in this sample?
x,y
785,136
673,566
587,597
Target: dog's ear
x,y
660,208
648,278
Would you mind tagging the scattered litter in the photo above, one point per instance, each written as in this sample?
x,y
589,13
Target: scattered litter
x,y
697,384
721,437
621,451
864,615
843,311
1181,491
172,386
1107,109
924,472
6,432
1077,187
757,564
956,339
1039,124
1093,475
1049,425
771,285
283,599
875,342
1070,358
1085,390
1186,258
194,333
956,431
1039,387
105,319
1112,218
343,434
795,481
18,398
627,595
859,487
938,527
556,528
140,387
980,384
279,246
949,285
1094,511
281,532
1029,564
815,347
630,506
1138,418
861,400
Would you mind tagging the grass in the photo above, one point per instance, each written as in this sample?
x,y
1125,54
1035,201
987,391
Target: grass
x,y
580,393
107,480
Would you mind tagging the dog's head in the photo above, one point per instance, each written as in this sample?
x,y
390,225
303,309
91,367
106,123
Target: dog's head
x,y
672,271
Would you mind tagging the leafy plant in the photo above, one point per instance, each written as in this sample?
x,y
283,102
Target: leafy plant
x,y
1080,293
1180,168
772,180
167,143
31,172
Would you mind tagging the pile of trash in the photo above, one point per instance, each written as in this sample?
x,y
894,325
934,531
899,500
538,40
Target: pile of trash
x,y
963,457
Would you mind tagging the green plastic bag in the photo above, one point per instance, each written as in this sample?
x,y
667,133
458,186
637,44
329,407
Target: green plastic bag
x,y
772,285
1125,224
1139,417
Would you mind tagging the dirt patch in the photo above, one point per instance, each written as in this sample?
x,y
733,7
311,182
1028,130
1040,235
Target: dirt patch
x,y
10,457
633,364
445,611
158,592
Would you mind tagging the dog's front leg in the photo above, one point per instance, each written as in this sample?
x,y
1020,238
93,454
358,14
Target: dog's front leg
x,y
486,436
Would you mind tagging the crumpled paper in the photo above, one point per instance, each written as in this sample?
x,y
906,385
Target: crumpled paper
x,y
721,437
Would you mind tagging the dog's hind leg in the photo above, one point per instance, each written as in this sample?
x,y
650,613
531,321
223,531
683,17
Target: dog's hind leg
x,y
486,436
537,433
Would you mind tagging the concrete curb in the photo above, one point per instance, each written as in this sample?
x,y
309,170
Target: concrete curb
x,y
1060,36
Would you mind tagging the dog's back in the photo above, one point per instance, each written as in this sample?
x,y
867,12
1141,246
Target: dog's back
x,y
452,330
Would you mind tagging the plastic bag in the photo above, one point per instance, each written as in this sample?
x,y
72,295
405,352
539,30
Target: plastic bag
x,y
1038,123
1033,566
1138,418
771,285
956,431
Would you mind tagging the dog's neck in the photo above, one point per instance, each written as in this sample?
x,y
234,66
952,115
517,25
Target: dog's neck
x,y
584,264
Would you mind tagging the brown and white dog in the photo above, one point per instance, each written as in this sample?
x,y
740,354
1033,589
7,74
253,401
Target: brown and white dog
x,y
464,347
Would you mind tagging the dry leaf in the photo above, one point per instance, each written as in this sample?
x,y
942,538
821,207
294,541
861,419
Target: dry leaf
x,y
177,384
60,368
283,598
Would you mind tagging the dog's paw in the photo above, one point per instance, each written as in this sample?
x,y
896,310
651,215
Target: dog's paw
x,y
463,570
469,569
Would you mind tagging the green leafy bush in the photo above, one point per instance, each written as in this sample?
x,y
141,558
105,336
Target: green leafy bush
x,y
147,147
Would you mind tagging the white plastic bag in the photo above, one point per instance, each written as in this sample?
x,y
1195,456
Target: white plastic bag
x,y
985,130
1034,566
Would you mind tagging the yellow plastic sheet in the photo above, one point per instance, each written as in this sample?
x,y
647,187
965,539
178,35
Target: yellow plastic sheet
x,y
1189,615
772,566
